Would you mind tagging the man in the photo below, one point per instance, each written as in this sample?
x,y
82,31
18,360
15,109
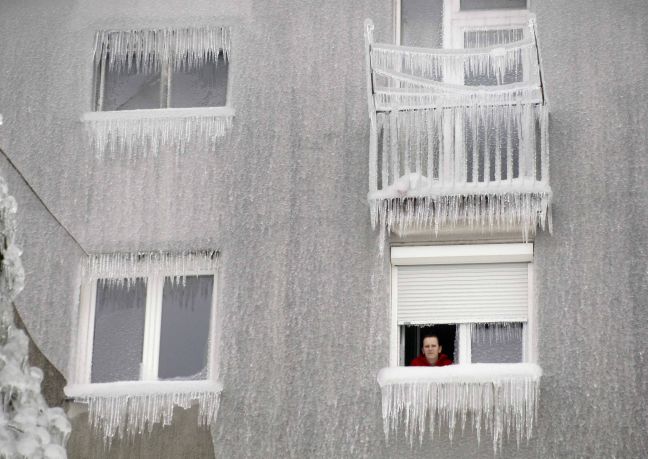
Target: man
x,y
431,356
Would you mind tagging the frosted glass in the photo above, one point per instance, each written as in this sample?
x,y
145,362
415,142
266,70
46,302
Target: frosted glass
x,y
203,87
118,332
186,313
131,91
492,4
497,344
421,23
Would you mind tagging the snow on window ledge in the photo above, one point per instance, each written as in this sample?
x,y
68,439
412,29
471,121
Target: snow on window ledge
x,y
501,398
147,132
130,407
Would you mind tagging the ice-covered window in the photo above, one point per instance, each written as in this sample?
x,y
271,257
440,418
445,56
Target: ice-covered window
x,y
477,300
159,88
146,338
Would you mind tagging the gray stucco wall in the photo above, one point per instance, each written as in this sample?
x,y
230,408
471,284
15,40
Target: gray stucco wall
x,y
303,300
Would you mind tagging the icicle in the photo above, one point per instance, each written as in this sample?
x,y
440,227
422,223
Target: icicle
x,y
129,408
145,50
500,398
147,132
126,266
498,332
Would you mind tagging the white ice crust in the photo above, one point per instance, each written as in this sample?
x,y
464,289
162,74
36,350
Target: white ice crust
x,y
500,398
132,407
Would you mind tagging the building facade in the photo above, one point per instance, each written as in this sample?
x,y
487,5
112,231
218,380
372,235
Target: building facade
x,y
303,299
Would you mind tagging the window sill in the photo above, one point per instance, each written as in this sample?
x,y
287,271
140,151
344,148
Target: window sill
x,y
148,132
159,113
139,388
131,407
498,398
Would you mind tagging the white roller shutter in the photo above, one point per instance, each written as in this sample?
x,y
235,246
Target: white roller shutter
x,y
462,293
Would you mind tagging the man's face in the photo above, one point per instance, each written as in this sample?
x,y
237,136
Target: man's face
x,y
431,349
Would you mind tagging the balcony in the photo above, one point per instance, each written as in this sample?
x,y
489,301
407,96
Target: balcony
x,y
458,136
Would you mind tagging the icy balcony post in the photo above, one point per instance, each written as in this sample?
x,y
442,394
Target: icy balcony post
x,y
458,136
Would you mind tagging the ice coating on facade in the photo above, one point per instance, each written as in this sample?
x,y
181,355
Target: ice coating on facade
x,y
126,266
481,150
129,408
28,427
500,399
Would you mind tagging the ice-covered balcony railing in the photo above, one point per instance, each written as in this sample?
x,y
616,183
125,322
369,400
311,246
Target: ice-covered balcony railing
x,y
458,136
498,398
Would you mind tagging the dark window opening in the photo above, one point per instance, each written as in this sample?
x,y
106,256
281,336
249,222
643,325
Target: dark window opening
x,y
414,340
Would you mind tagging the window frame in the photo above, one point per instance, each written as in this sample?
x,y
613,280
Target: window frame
x,y
409,255
152,328
166,79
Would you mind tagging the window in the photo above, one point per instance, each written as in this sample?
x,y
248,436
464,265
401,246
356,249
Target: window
x,y
476,298
151,326
157,89
146,339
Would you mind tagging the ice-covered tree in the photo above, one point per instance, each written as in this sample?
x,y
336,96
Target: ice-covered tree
x,y
28,427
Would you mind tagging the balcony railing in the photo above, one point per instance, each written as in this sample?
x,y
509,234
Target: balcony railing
x,y
458,136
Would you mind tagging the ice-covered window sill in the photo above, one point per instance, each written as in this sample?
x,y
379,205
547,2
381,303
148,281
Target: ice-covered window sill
x,y
498,398
477,373
159,113
130,407
147,132
138,388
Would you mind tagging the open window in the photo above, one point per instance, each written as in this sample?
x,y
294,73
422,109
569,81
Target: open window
x,y
478,300
159,88
146,338
475,298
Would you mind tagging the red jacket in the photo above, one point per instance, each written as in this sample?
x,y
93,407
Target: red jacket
x,y
421,361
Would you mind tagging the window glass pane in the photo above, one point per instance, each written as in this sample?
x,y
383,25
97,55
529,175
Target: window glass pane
x,y
118,331
414,335
186,314
129,90
496,343
492,4
422,23
202,87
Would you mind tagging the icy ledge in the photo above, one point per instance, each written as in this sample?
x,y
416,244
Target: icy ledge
x,y
148,132
499,398
131,407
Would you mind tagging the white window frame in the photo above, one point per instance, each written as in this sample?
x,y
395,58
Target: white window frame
x,y
152,327
462,254
166,78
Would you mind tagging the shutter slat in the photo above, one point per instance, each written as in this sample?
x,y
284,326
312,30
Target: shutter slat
x,y
496,292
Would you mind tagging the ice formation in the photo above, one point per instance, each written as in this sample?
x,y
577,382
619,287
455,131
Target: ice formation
x,y
501,399
126,266
147,132
130,408
28,428
146,50
471,123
